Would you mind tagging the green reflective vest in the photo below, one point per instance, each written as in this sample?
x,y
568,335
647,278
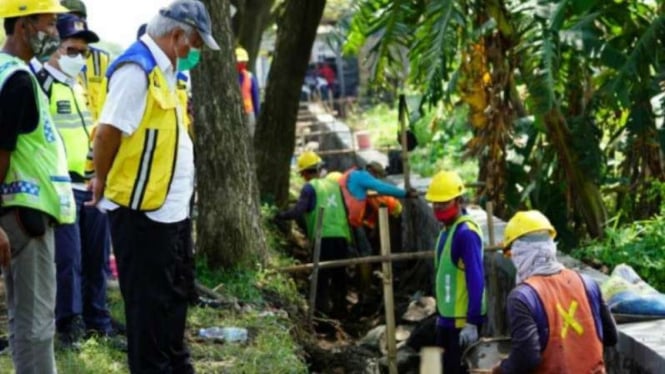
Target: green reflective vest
x,y
334,223
452,297
37,177
73,120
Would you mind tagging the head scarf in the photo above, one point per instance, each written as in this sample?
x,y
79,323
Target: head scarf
x,y
534,255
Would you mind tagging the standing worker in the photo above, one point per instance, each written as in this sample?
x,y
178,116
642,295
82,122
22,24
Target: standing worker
x,y
559,320
459,287
36,192
249,89
81,248
355,184
144,166
335,233
94,71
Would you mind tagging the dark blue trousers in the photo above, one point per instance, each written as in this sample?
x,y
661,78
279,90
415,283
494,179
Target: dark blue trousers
x,y
448,339
81,252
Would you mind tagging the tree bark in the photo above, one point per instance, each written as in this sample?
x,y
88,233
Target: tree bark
x,y
254,19
275,132
228,225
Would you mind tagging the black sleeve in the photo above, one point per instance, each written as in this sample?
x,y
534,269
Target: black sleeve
x,y
525,351
610,333
18,109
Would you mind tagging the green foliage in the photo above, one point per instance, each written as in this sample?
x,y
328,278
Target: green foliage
x,y
640,244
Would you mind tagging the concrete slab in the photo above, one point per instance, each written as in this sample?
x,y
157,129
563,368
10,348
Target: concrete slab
x,y
641,349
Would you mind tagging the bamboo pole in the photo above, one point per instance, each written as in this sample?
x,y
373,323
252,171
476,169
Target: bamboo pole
x,y
410,255
317,255
387,277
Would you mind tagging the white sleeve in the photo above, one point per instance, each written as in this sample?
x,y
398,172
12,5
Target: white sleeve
x,y
126,98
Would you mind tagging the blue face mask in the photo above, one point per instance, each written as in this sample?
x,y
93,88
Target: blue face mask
x,y
191,60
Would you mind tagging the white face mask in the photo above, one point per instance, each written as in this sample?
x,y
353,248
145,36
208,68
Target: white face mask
x,y
71,66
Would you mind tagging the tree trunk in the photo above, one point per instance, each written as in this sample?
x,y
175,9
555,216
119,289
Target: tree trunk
x,y
254,19
275,132
228,225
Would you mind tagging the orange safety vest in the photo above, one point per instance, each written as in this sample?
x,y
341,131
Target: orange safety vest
x,y
573,345
377,201
356,207
246,91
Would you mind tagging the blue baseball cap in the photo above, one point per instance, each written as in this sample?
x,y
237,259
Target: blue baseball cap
x,y
72,26
192,13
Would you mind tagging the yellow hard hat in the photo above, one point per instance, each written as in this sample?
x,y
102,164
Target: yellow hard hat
x,y
308,160
334,176
241,55
22,8
526,222
445,186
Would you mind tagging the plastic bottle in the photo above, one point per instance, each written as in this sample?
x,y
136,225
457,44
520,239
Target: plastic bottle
x,y
228,334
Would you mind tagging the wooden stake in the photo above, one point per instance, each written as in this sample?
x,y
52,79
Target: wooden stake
x,y
317,255
384,229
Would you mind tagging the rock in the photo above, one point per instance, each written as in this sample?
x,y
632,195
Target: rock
x,y
373,337
420,309
424,334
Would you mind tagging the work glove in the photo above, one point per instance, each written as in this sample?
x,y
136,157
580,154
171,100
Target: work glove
x,y
468,335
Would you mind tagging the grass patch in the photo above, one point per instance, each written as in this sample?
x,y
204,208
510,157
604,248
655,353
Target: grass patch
x,y
271,308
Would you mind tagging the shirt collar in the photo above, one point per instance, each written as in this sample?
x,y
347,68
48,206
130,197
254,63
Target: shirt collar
x,y
59,75
161,58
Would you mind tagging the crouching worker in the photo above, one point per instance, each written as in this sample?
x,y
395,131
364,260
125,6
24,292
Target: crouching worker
x,y
559,321
459,282
335,233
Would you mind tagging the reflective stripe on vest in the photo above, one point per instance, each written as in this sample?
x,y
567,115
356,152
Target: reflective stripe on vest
x,y
573,345
141,174
74,122
246,91
334,223
356,207
452,296
37,176
92,79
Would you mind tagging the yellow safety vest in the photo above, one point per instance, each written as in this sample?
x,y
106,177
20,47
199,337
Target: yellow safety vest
x,y
143,167
92,79
73,120
37,177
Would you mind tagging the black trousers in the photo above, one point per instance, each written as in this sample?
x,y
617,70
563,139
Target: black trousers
x,y
154,269
332,282
448,339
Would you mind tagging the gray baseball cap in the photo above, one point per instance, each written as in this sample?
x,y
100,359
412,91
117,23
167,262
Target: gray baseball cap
x,y
193,13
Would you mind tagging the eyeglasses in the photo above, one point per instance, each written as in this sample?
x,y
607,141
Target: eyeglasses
x,y
73,52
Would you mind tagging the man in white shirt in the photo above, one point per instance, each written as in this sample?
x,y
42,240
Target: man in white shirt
x,y
144,166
